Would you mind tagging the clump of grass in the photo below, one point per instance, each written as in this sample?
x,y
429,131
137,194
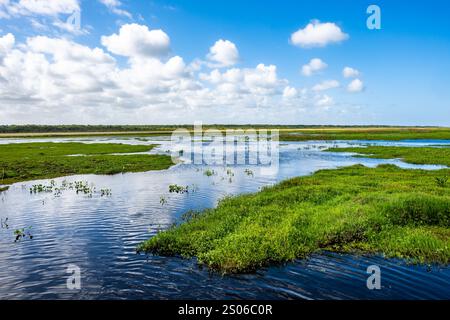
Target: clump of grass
x,y
80,187
4,223
23,234
174,188
105,192
386,210
441,181
209,173
249,172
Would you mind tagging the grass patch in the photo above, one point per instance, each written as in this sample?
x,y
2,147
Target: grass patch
x,y
32,161
387,210
414,155
287,133
372,133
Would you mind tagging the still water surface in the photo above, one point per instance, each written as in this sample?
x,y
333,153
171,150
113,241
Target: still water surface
x,y
100,234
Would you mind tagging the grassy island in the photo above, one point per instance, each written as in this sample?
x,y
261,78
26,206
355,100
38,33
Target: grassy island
x,y
32,161
385,210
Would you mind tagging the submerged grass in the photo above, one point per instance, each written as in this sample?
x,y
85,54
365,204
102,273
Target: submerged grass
x,y
32,161
386,210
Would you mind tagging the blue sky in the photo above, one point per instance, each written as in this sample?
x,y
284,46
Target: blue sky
x,y
403,69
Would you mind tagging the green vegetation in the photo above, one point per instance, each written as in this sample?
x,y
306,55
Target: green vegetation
x,y
384,210
32,161
369,133
209,173
287,132
415,155
174,188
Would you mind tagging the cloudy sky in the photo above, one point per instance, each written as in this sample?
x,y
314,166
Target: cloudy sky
x,y
281,62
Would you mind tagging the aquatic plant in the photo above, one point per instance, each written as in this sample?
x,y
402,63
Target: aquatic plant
x,y
230,173
174,188
4,223
80,187
23,234
162,200
209,173
105,192
249,172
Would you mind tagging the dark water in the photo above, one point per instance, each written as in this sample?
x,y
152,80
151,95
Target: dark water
x,y
100,234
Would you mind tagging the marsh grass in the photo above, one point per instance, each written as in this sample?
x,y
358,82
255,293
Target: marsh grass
x,y
385,210
374,133
414,155
32,161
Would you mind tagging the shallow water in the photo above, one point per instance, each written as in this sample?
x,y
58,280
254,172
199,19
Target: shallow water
x,y
100,234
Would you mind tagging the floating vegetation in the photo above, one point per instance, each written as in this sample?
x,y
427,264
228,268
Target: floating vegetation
x,y
23,234
162,200
249,172
230,173
105,192
80,187
174,188
4,223
209,173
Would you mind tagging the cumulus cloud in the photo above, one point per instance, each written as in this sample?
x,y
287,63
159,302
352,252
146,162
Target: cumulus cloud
x,y
6,43
355,86
326,85
317,34
262,80
289,92
223,53
136,40
56,80
314,66
349,72
324,101
114,7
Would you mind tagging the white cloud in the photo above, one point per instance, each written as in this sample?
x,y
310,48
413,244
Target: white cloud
x,y
39,7
223,53
317,34
349,72
289,92
136,40
56,80
6,44
326,85
262,80
114,7
42,13
355,86
314,66
324,101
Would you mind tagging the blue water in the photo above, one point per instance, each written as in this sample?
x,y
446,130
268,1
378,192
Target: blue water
x,y
99,235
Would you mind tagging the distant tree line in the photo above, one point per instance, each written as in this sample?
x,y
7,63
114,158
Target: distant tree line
x,y
121,128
